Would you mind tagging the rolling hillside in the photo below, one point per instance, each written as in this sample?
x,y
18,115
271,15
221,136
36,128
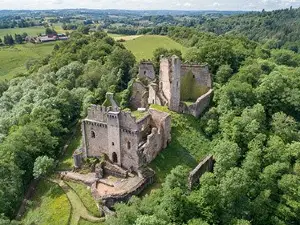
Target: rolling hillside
x,y
143,46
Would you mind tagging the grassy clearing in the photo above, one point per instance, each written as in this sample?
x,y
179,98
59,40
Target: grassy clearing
x,y
49,204
66,163
85,195
13,58
187,147
144,46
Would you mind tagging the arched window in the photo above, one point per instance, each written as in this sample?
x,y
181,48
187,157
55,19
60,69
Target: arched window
x,y
93,135
115,157
113,143
128,145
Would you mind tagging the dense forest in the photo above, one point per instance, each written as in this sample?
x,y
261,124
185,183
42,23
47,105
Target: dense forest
x,y
276,28
253,122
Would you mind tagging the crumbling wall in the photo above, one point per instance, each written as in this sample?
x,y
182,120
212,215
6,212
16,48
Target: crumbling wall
x,y
97,113
146,70
164,78
139,97
127,121
162,121
206,165
201,104
201,74
154,95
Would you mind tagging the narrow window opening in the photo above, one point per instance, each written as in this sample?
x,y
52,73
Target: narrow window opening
x,y
128,145
145,72
113,143
93,135
115,157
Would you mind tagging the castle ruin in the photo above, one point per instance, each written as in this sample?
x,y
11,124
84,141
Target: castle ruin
x,y
128,142
184,88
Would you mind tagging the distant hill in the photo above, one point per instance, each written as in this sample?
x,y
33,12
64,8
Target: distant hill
x,y
281,25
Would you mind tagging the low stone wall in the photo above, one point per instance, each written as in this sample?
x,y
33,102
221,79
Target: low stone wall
x,y
110,200
206,165
199,106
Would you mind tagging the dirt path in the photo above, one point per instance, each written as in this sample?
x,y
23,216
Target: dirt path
x,y
78,209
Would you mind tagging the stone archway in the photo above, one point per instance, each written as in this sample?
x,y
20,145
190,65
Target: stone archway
x,y
115,157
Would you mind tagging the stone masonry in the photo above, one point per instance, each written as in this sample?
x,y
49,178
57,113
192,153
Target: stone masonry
x,y
184,88
126,141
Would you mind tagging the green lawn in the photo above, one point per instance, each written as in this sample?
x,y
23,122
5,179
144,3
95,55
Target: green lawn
x,y
86,197
50,205
13,58
143,47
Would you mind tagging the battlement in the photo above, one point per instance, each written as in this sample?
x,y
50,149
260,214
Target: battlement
x,y
98,113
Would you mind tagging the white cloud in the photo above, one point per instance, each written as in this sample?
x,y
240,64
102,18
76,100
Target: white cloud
x,y
151,4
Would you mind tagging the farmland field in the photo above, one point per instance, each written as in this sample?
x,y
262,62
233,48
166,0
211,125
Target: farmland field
x,y
13,59
32,31
143,46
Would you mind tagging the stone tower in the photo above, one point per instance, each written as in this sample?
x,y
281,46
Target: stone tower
x,y
169,81
113,136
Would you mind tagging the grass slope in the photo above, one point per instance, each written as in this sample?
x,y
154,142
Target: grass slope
x,y
13,59
144,46
49,206
85,196
66,163
187,147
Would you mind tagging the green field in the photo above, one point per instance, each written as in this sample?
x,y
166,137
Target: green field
x,y
32,31
13,58
143,47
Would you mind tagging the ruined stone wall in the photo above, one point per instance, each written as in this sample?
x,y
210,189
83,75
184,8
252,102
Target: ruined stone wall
x,y
153,95
113,137
160,135
162,121
201,74
206,165
201,104
129,148
175,82
139,97
94,138
97,113
164,78
146,70
127,121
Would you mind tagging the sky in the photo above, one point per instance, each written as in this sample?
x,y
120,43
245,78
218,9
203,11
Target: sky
x,y
151,4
